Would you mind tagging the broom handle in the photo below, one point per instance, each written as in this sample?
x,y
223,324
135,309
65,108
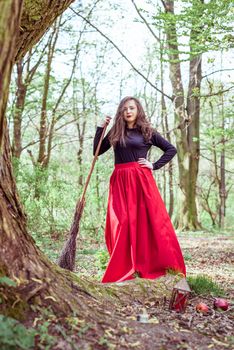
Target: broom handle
x,y
93,162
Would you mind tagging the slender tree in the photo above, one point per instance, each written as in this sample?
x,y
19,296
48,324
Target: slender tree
x,y
187,117
25,72
41,161
214,186
222,182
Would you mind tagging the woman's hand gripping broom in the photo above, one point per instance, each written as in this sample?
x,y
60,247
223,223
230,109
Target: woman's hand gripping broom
x,y
68,254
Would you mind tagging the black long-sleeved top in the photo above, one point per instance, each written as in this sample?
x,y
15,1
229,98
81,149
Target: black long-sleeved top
x,y
136,147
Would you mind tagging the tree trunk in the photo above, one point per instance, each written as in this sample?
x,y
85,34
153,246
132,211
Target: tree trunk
x,y
81,127
9,24
170,171
222,183
187,148
163,112
215,158
41,161
12,218
222,189
19,107
9,203
193,132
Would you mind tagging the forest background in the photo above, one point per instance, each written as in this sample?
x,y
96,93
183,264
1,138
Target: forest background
x,y
177,58
63,88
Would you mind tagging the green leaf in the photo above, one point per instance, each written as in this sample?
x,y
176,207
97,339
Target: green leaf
x,y
6,280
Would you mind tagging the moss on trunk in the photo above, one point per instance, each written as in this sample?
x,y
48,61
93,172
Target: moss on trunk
x,y
65,293
37,17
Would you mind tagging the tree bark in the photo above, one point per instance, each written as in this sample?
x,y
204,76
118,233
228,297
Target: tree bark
x,y
10,208
19,107
193,130
9,25
36,19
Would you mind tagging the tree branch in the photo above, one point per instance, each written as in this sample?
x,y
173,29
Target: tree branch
x,y
121,53
210,160
218,92
217,71
164,5
146,23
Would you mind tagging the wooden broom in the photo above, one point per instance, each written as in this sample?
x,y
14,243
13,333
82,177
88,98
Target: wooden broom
x,y
68,254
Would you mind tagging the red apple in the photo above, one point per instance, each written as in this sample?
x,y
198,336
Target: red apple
x,y
221,304
202,308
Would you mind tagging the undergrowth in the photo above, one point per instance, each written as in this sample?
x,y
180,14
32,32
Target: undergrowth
x,y
202,284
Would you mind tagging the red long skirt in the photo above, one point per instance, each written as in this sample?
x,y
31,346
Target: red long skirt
x,y
139,233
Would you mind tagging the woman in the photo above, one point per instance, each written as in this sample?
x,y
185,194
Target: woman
x,y
139,235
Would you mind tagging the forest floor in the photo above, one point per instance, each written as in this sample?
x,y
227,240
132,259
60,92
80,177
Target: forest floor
x,y
210,255
204,253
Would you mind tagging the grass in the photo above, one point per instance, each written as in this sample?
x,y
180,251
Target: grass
x,y
202,284
187,256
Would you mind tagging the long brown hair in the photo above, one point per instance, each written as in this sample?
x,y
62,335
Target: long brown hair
x,y
118,130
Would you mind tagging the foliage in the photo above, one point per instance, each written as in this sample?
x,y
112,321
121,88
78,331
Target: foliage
x,y
210,23
216,141
202,284
15,336
50,216
43,337
45,340
102,259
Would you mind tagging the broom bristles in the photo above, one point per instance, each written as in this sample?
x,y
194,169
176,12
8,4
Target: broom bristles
x,y
67,257
68,254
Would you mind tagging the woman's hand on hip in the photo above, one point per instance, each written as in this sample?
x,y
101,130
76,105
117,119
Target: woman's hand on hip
x,y
144,163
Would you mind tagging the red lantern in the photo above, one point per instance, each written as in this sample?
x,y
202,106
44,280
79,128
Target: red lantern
x,y
180,294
